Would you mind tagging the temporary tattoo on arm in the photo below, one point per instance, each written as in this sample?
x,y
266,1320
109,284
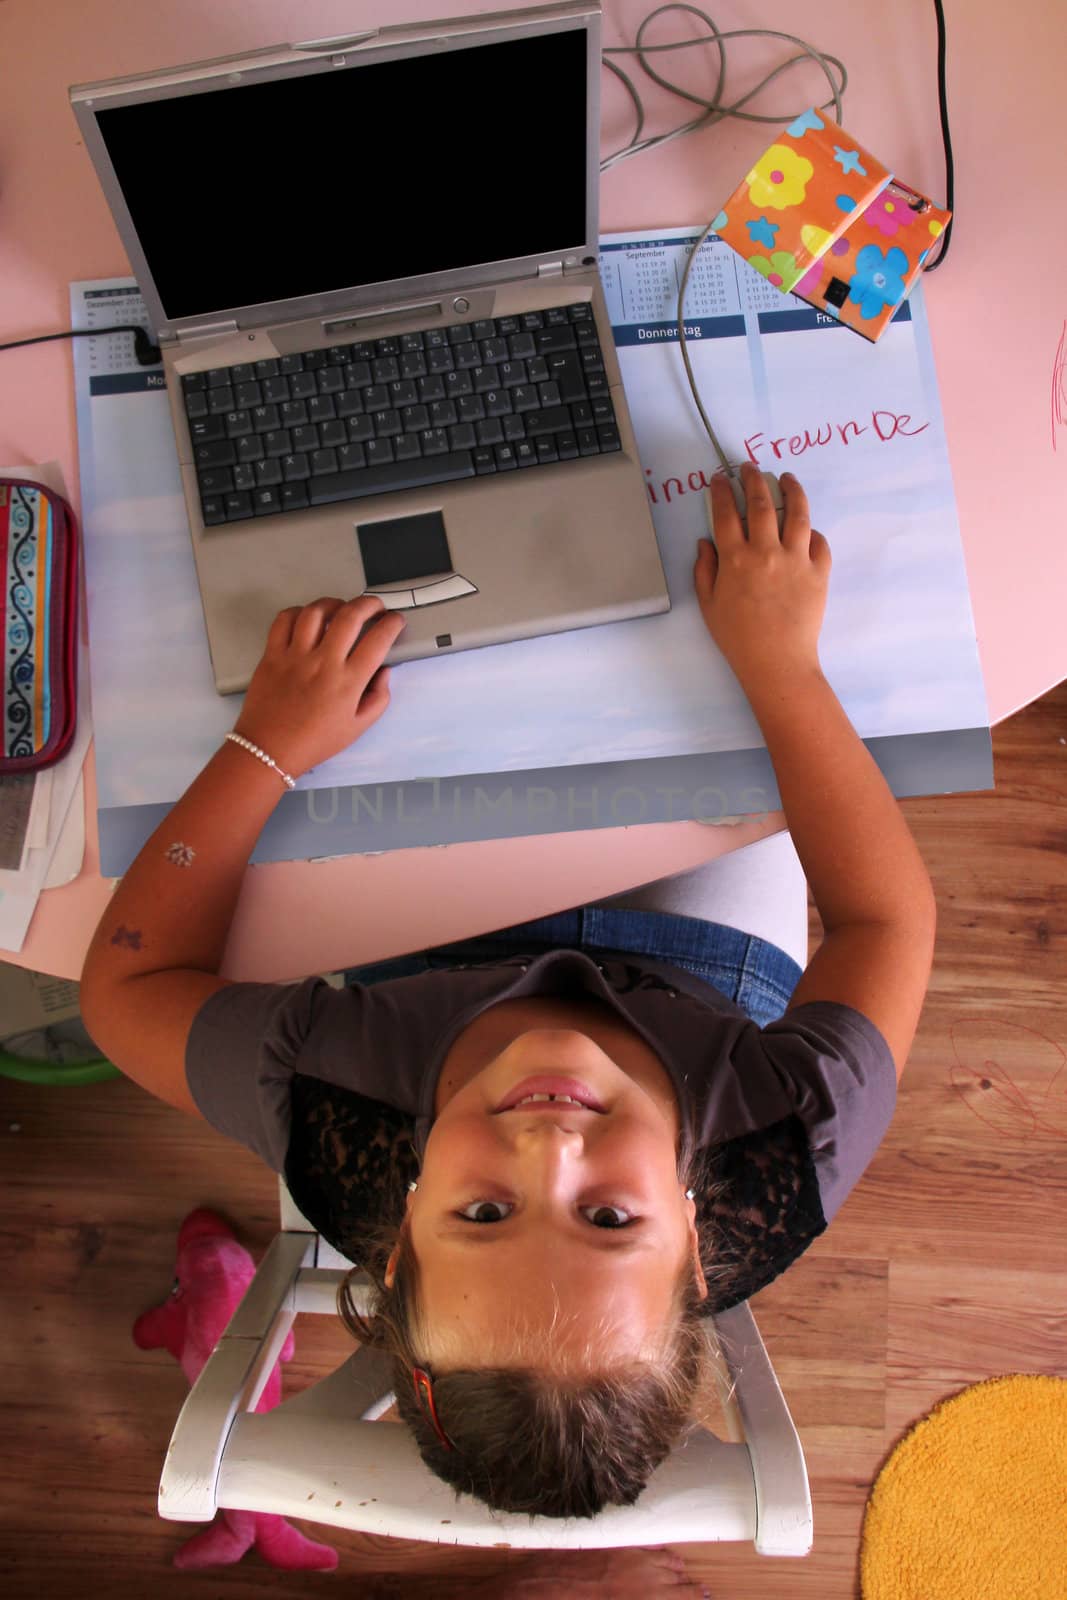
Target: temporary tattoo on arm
x,y
179,855
130,937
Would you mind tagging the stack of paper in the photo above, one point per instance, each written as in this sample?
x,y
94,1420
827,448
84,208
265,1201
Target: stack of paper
x,y
42,814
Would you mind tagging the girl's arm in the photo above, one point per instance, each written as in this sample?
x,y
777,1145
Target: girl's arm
x,y
155,956
763,601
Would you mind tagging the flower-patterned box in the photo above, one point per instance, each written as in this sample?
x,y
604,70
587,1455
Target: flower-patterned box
x,y
820,218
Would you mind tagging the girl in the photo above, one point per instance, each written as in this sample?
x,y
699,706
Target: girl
x,y
554,1148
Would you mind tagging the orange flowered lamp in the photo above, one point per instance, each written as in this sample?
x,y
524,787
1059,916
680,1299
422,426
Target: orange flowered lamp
x,y
820,218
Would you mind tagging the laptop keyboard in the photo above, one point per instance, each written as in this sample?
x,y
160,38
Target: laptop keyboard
x,y
468,401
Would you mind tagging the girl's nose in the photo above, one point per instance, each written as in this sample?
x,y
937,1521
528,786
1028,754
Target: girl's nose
x,y
547,1156
549,1133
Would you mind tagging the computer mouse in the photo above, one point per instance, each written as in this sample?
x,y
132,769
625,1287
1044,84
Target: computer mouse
x,y
734,480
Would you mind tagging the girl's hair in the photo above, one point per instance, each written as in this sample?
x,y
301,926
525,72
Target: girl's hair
x,y
539,1441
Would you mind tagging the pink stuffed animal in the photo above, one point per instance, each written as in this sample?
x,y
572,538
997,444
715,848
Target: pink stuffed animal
x,y
212,1273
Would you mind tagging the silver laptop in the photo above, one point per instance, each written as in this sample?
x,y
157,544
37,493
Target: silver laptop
x,y
372,266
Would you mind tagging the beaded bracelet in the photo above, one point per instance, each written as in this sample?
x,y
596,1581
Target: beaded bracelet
x,y
253,749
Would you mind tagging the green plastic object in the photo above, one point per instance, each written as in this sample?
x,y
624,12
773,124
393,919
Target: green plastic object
x,y
64,1074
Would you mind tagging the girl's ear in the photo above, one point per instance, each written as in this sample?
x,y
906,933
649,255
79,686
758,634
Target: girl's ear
x,y
694,1237
701,1281
394,1254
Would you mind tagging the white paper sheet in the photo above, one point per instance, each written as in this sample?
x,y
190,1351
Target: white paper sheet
x,y
37,836
69,854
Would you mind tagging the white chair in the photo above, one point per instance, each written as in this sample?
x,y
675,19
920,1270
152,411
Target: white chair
x,y
323,1456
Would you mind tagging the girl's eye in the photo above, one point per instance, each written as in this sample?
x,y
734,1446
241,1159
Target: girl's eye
x,y
607,1216
485,1211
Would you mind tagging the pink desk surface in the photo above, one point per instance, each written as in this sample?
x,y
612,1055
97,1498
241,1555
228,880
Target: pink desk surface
x,y
997,311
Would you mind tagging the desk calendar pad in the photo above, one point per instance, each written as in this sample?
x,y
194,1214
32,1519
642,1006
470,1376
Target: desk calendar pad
x,y
632,722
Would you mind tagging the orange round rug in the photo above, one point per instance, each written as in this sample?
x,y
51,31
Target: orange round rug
x,y
972,1503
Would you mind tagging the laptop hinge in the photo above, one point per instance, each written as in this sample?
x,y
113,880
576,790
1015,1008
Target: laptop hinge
x,y
205,330
550,269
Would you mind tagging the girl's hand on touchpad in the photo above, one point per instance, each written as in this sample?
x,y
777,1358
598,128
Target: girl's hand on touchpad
x,y
320,683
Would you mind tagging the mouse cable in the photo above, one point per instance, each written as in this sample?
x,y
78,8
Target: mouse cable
x,y
146,351
716,111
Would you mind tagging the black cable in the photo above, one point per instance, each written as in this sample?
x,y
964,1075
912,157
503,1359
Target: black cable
x,y
146,351
942,101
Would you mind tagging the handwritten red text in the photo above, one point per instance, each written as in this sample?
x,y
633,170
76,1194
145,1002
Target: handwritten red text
x,y
882,427
885,425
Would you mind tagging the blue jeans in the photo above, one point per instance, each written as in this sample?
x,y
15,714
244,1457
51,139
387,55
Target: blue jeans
x,y
754,974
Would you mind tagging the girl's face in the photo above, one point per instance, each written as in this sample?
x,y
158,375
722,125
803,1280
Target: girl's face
x,y
562,1220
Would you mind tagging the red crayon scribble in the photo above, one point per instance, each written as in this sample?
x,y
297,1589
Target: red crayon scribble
x,y
1059,385
988,1089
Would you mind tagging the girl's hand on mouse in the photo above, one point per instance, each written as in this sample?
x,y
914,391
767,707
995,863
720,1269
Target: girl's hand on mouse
x,y
763,598
320,683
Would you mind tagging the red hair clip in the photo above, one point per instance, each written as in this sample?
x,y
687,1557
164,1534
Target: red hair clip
x,y
424,1395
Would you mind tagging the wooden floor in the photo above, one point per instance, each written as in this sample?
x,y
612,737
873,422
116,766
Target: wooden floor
x,y
946,1266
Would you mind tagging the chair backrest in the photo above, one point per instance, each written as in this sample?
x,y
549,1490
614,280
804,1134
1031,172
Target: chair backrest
x,y
323,1456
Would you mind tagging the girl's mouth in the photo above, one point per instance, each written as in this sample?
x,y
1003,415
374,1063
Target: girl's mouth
x,y
544,1091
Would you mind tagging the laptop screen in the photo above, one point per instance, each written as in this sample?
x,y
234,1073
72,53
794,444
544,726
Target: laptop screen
x,y
329,180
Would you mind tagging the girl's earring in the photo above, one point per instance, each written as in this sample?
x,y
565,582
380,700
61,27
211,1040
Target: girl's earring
x,y
413,1185
690,1194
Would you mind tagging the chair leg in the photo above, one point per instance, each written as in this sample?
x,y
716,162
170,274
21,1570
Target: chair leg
x,y
232,1379
783,1498
726,1389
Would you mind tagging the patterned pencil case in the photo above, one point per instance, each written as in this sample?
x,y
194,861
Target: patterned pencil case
x,y
39,614
820,218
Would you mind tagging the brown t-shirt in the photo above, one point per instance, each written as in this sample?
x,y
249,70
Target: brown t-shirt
x,y
823,1065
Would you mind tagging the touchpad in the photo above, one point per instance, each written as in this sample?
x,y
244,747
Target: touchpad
x,y
404,549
